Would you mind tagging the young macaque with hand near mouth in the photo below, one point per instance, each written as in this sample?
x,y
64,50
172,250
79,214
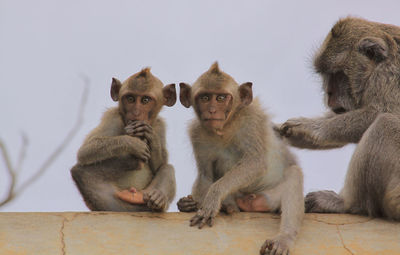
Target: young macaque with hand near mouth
x,y
123,163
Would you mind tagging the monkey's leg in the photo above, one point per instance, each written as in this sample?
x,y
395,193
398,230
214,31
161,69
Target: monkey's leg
x,y
391,201
98,192
374,171
292,212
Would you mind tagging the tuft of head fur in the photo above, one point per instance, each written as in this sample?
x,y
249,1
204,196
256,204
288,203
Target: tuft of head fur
x,y
143,81
215,68
144,72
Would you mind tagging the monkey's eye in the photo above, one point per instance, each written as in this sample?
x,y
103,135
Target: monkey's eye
x,y
146,99
130,99
204,98
221,98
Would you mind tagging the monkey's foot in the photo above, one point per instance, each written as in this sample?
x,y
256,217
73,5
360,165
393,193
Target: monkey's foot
x,y
131,196
277,246
324,201
253,203
155,200
230,208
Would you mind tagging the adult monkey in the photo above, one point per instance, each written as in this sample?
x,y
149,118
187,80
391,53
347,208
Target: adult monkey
x,y
241,162
122,164
359,62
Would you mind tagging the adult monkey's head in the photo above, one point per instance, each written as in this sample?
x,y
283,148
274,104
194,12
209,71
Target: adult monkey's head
x,y
216,97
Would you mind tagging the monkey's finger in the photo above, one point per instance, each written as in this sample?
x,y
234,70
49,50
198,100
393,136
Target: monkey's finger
x,y
195,220
285,130
203,222
159,200
138,134
184,199
150,204
142,129
145,196
145,156
210,221
187,203
187,208
142,125
264,247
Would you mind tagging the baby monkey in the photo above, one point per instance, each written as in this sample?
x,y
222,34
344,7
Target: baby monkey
x,y
242,164
123,163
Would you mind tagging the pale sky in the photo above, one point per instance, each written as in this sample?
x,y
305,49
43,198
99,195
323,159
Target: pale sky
x,y
45,45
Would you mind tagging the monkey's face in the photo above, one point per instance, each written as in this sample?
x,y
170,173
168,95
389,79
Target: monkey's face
x,y
338,92
138,106
214,108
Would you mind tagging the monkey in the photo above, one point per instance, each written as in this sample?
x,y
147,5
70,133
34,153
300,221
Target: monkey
x,y
238,154
359,62
123,162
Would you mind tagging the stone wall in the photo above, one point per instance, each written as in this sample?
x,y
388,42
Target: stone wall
x,y
100,233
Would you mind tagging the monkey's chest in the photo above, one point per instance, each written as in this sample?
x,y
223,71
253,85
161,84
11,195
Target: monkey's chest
x,y
139,178
224,161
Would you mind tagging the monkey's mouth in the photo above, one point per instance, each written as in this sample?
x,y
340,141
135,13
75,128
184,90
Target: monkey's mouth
x,y
213,119
339,110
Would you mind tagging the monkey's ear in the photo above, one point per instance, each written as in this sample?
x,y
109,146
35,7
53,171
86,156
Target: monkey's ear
x,y
374,48
169,93
185,94
246,93
115,87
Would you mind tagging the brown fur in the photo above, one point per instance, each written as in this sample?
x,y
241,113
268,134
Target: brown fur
x,y
246,157
111,159
359,64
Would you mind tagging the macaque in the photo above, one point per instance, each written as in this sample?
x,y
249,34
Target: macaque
x,y
242,164
123,163
359,63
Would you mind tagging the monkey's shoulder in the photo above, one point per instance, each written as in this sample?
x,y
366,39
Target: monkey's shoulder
x,y
111,124
159,125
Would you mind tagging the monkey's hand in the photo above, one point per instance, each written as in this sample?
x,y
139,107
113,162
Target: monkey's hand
x,y
140,149
140,129
280,245
187,204
155,199
301,132
206,214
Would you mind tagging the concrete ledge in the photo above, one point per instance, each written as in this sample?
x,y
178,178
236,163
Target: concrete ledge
x,y
169,233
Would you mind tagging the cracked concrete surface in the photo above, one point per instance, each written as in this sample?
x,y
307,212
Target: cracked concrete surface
x,y
169,233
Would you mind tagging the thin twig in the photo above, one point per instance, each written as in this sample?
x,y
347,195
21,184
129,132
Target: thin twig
x,y
12,192
22,153
63,144
11,173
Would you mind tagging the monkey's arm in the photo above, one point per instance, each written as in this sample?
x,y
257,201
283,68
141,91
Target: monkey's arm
x,y
108,140
205,175
328,132
245,172
161,191
202,183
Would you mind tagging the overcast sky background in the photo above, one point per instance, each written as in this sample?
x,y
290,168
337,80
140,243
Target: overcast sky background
x,y
46,44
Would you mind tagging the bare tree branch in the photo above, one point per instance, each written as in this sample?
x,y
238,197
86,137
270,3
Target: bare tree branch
x,y
11,173
22,153
12,191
